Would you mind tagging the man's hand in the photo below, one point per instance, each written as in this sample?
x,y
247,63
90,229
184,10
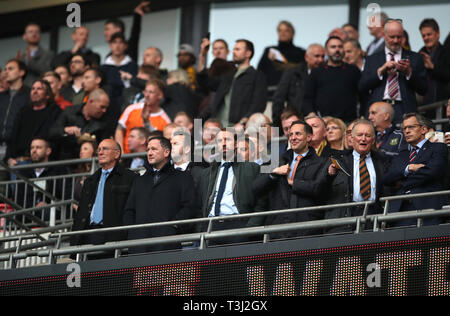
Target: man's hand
x,y
388,67
12,162
125,75
404,66
142,8
204,46
427,61
73,130
447,138
282,170
415,167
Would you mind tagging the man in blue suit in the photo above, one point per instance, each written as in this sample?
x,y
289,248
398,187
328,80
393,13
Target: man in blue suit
x,y
394,75
418,169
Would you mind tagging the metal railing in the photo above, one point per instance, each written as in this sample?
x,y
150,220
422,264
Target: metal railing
x,y
358,222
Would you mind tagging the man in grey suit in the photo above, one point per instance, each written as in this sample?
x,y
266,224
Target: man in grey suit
x,y
37,59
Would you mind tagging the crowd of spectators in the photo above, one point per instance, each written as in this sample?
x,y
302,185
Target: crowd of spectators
x,y
349,116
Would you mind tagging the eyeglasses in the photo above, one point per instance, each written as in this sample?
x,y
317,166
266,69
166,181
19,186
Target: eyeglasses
x,y
405,128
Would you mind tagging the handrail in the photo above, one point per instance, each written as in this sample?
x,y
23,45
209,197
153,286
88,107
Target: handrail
x,y
431,106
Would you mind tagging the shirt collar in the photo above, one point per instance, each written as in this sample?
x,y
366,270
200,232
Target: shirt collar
x,y
358,156
420,144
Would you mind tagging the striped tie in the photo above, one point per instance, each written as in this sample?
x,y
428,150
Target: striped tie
x,y
413,154
364,179
393,82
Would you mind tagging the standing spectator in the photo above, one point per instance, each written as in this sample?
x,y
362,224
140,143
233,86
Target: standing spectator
x,y
234,102
161,194
179,96
394,75
148,114
80,37
332,89
352,31
32,121
287,118
353,54
291,55
186,61
12,101
55,83
336,135
319,137
36,58
103,197
74,91
88,149
418,169
64,74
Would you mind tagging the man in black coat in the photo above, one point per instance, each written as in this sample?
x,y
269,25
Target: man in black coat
x,y
295,183
239,94
161,194
92,213
358,177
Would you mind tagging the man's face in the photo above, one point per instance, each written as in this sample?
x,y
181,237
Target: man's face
x,y
108,153
377,116
393,36
151,57
226,145
38,94
335,50
32,34
98,106
81,35
285,33
64,74
135,141
110,29
298,138
39,151
243,150
210,131
77,66
118,47
152,95
12,72
363,138
319,130
316,57
348,136
156,154
185,60
220,50
351,32
413,131
183,120
430,37
178,148
286,124
240,53
352,54
55,84
90,81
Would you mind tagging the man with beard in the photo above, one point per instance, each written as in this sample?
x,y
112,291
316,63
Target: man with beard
x,y
33,120
74,92
239,94
332,89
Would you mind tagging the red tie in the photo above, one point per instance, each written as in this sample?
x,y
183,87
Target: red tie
x,y
413,154
299,157
393,82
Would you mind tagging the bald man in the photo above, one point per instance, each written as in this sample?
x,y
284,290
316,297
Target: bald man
x,y
394,75
389,140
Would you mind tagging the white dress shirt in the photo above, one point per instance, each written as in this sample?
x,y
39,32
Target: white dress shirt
x,y
372,174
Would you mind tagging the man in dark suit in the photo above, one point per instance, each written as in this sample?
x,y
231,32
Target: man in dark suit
x,y
103,197
225,188
358,177
161,194
295,183
394,75
417,170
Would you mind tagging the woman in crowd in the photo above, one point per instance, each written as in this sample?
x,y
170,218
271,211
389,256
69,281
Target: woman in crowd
x,y
336,134
88,149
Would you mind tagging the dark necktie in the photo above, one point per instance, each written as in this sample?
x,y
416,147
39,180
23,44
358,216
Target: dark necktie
x,y
379,139
412,154
364,179
156,175
223,182
393,82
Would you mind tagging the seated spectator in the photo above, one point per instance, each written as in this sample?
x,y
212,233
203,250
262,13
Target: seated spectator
x,y
88,149
80,37
55,83
153,56
294,183
186,61
169,129
64,74
336,135
233,102
74,92
12,101
32,121
91,118
207,152
161,194
137,143
348,135
103,197
37,59
184,120
178,95
148,114
4,86
92,80
271,64
245,149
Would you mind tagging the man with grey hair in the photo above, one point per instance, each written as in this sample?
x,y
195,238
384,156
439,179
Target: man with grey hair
x,y
290,90
389,140
357,177
394,75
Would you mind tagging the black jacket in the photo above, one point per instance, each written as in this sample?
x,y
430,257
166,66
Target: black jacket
x,y
249,93
307,190
9,108
171,198
117,188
